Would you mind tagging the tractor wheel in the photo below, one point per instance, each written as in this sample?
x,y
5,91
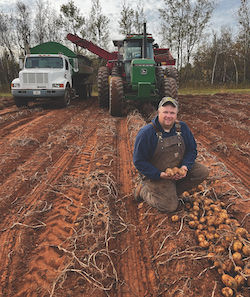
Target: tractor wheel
x,y
115,71
103,87
159,73
170,88
171,71
20,102
116,96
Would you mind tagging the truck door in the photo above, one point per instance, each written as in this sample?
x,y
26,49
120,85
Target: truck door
x,y
67,74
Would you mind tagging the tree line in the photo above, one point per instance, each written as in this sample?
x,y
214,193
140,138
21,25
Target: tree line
x,y
202,58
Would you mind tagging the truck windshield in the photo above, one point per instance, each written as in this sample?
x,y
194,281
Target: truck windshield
x,y
44,62
133,50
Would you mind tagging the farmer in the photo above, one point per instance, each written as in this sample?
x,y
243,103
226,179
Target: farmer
x,y
166,143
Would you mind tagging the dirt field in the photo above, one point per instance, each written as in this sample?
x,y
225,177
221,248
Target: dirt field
x,y
69,225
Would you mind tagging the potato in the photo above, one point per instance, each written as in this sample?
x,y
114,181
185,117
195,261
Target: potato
x,y
247,274
224,227
185,194
182,171
175,170
204,244
211,228
211,256
175,218
227,265
239,280
201,237
226,291
219,249
169,172
246,250
209,236
193,217
200,187
241,232
192,224
200,226
237,269
237,245
216,235
196,208
208,201
229,281
234,222
237,256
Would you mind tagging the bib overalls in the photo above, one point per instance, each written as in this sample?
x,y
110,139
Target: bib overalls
x,y
163,194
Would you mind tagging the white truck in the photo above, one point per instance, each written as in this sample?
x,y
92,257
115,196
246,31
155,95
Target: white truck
x,y
52,71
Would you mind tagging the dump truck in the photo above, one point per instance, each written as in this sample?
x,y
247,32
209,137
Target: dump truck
x,y
139,71
52,71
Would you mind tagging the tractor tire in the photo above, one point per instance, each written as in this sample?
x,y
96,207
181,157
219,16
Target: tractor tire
x,y
170,88
20,102
116,96
103,87
171,71
159,74
115,71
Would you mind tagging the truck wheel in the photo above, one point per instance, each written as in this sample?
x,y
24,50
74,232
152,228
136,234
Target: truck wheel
x,y
103,87
66,98
116,96
171,71
20,102
170,88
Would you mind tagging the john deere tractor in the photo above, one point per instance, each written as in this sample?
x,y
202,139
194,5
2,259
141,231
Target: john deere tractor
x,y
138,71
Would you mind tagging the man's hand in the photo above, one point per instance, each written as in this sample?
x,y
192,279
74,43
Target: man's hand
x,y
181,174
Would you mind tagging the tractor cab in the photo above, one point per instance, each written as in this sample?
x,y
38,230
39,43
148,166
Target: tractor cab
x,y
131,48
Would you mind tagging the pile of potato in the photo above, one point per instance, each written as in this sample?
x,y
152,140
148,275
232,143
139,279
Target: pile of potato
x,y
227,243
173,171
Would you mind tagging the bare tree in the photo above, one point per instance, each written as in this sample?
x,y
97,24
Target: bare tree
x,y
127,18
23,26
183,22
98,25
7,37
198,15
41,29
173,22
139,17
71,18
244,22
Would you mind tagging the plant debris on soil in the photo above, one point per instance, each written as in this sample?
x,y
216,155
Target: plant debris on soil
x,y
69,224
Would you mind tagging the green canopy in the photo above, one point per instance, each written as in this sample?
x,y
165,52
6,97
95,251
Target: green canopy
x,y
52,48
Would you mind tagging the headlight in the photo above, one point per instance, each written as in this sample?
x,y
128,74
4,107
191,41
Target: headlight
x,y
57,85
15,85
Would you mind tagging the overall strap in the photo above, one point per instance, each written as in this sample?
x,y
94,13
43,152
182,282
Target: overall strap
x,y
157,130
178,127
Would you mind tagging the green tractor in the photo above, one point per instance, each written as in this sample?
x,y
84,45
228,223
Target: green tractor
x,y
139,71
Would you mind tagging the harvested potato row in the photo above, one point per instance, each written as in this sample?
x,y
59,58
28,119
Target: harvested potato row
x,y
226,241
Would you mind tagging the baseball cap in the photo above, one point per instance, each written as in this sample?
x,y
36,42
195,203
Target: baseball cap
x,y
165,100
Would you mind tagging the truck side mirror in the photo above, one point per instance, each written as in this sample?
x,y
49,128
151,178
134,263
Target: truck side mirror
x,y
21,62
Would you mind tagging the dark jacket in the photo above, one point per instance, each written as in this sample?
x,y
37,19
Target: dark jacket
x,y
146,142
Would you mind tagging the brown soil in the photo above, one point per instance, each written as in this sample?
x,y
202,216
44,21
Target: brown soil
x,y
69,225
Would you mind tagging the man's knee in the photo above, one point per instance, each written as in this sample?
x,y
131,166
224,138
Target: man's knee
x,y
168,205
199,171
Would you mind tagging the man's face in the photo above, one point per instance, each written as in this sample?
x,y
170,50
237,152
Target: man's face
x,y
167,116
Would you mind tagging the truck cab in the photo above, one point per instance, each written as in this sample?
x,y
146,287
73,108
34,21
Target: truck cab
x,y
42,76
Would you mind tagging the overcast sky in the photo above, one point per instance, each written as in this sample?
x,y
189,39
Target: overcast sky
x,y
225,13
